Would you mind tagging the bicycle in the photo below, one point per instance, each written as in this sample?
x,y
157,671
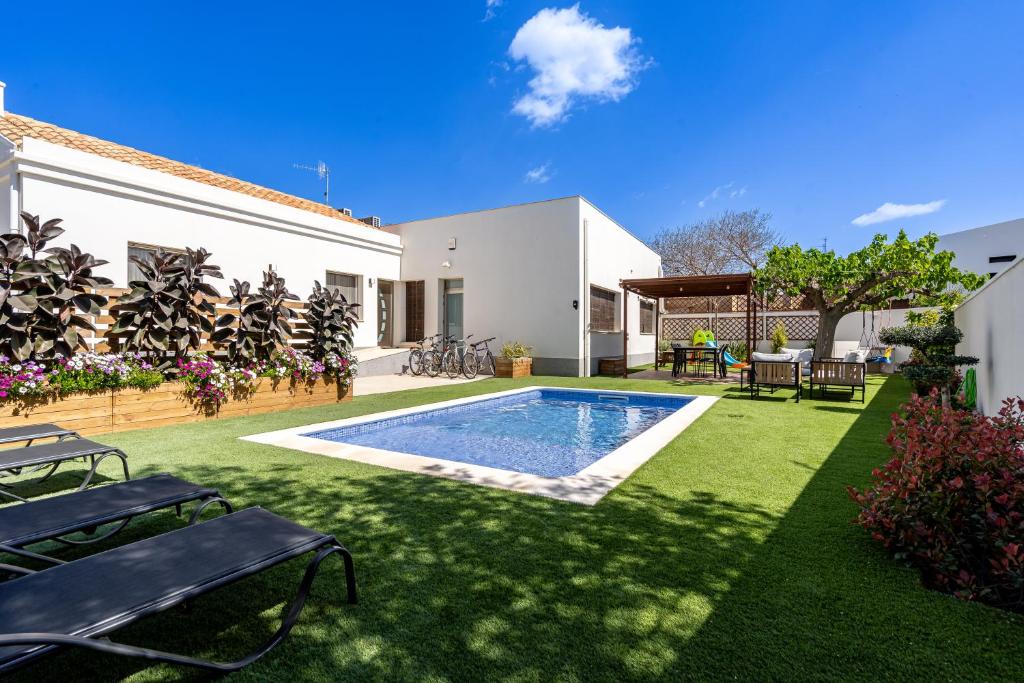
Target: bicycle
x,y
483,358
416,355
433,360
454,359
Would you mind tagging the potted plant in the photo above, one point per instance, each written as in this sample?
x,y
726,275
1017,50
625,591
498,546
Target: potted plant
x,y
515,360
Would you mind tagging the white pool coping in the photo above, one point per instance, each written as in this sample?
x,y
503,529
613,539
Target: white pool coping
x,y
587,486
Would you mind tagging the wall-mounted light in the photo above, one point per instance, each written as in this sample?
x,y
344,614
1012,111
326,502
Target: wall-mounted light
x,y
371,282
575,304
446,264
451,244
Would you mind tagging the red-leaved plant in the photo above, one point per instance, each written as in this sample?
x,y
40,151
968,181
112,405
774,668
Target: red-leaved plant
x,y
951,501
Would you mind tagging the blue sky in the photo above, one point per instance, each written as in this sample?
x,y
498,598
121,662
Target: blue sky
x,y
660,113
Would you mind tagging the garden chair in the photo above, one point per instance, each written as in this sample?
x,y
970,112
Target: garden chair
x,y
834,372
54,518
774,374
53,455
78,603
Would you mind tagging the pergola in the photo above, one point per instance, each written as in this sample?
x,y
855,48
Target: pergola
x,y
659,288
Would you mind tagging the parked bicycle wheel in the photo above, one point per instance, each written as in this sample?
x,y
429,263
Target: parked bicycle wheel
x,y
416,362
431,363
487,363
470,365
450,363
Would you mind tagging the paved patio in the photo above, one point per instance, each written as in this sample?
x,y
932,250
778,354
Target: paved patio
x,y
382,384
666,376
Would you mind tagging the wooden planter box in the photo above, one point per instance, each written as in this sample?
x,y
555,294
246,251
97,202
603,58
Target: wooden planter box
x,y
516,367
667,357
124,409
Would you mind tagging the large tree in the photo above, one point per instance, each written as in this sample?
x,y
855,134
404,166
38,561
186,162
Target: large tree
x,y
733,241
868,277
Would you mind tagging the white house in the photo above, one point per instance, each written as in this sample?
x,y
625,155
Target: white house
x,y
546,274
988,250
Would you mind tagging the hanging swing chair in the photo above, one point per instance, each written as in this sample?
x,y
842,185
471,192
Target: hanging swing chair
x,y
882,354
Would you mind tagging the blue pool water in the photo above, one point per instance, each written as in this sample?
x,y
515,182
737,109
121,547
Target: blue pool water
x,y
547,432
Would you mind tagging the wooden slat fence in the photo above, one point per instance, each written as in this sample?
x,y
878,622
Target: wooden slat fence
x,y
104,321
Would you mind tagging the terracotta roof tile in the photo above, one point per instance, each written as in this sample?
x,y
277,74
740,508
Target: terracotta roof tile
x,y
15,128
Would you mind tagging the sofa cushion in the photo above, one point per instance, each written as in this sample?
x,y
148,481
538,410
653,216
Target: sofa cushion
x,y
757,355
856,356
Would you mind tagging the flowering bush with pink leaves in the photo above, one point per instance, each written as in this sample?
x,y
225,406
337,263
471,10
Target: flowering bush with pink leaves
x,y
951,500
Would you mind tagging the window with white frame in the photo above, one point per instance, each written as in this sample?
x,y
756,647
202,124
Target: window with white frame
x,y
350,286
144,252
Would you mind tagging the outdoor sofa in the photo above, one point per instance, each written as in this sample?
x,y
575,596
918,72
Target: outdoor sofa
x,y
827,373
775,371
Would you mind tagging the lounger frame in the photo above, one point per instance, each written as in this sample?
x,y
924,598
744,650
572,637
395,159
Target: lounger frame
x,y
324,546
94,454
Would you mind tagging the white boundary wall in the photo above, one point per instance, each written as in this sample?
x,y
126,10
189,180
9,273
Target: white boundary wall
x,y
992,320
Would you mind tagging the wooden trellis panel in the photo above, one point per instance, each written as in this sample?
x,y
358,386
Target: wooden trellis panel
x,y
798,327
681,328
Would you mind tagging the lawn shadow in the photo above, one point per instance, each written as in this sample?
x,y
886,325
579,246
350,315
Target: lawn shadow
x,y
821,601
460,578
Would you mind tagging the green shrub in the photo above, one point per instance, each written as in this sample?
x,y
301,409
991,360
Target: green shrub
x,y
779,338
515,349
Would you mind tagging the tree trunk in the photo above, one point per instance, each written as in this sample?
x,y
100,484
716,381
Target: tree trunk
x,y
827,323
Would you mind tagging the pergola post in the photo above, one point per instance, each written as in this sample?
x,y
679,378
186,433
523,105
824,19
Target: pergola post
x,y
750,328
625,335
657,333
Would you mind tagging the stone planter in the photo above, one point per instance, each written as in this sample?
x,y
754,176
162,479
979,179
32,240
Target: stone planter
x,y
123,409
514,367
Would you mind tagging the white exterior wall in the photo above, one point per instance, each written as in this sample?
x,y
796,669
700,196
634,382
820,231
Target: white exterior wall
x,y
522,267
992,320
520,274
973,248
613,254
106,204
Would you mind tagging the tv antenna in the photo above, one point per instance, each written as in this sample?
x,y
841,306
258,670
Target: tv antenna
x,y
323,172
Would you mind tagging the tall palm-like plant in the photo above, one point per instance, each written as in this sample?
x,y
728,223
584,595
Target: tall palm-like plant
x,y
331,321
167,312
263,321
45,294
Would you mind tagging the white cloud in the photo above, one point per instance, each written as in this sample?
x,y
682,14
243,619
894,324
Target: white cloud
x,y
492,9
717,192
891,212
575,58
539,175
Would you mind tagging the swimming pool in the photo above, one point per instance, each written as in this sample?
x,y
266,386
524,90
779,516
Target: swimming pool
x,y
547,432
570,444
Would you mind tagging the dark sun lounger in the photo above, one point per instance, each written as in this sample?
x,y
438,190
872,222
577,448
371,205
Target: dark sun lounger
x,y
52,518
78,603
53,455
30,433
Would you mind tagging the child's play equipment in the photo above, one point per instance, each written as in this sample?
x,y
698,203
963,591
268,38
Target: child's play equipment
x,y
731,361
871,342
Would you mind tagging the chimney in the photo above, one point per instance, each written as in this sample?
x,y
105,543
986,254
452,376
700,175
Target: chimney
x,y
372,221
2,86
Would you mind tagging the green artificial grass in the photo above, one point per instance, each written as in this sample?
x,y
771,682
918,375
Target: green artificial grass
x,y
729,555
